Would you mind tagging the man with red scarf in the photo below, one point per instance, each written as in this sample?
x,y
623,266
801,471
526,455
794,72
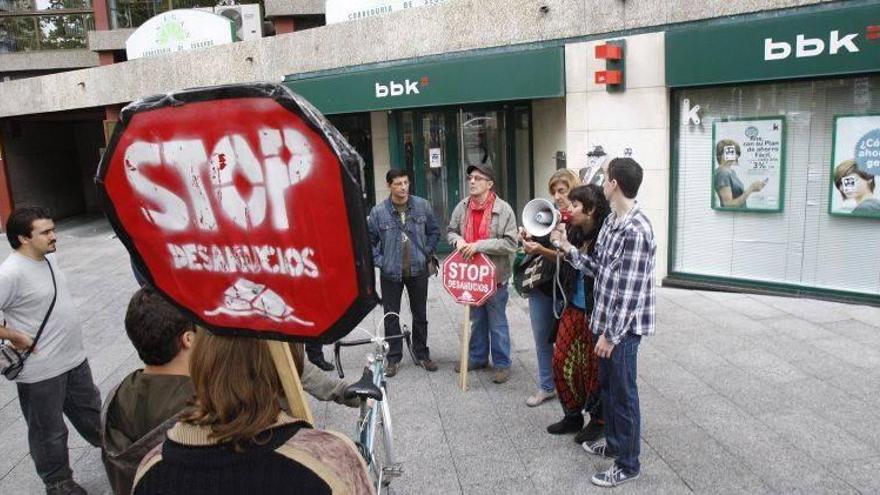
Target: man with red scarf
x,y
484,223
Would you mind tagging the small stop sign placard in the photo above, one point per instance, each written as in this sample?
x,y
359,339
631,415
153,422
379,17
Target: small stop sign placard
x,y
469,282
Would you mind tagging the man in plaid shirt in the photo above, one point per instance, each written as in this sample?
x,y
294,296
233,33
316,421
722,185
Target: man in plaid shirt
x,y
622,265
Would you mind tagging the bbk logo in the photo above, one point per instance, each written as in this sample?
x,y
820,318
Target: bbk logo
x,y
393,88
810,47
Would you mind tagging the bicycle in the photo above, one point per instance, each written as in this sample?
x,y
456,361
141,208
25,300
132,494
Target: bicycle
x,y
374,432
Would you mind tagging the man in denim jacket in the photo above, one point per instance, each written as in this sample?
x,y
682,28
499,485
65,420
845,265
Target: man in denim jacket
x,y
404,235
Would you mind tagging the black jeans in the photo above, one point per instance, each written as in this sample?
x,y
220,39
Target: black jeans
x,y
417,289
620,403
44,405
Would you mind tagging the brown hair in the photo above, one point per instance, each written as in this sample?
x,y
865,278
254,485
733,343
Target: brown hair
x,y
564,175
849,167
719,149
237,387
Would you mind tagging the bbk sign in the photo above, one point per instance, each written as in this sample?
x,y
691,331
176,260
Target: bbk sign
x,y
470,282
251,221
394,88
793,44
811,47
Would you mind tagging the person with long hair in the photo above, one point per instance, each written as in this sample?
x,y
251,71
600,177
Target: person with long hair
x,y
541,310
575,367
235,438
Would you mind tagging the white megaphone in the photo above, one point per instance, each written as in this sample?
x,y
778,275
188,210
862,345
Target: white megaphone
x,y
540,217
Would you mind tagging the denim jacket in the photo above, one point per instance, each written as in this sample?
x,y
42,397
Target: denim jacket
x,y
385,237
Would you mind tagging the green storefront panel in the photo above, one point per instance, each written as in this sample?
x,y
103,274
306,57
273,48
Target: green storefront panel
x,y
830,41
467,79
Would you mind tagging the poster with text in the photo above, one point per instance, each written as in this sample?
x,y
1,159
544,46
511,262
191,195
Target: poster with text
x,y
748,164
855,165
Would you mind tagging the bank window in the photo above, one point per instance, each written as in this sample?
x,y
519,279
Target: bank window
x,y
827,210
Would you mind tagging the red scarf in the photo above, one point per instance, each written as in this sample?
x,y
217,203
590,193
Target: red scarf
x,y
472,231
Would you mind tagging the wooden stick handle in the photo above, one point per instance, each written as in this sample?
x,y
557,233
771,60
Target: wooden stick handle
x,y
293,389
465,349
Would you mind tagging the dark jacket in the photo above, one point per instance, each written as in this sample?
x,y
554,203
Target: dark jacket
x,y
288,458
134,419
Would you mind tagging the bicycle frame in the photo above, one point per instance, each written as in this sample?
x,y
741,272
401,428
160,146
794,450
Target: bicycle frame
x,y
375,415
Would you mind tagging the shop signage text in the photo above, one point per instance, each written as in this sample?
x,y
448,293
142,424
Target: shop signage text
x,y
512,75
821,42
393,88
809,47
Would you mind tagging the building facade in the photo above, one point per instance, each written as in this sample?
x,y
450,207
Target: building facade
x,y
540,85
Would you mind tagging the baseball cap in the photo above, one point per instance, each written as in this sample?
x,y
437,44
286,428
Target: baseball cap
x,y
484,169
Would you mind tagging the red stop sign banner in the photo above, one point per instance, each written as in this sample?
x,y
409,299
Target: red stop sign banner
x,y
243,206
469,282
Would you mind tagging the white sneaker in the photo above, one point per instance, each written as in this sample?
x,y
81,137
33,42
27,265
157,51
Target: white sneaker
x,y
540,397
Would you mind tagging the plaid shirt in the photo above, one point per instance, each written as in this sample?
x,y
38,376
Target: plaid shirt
x,y
623,267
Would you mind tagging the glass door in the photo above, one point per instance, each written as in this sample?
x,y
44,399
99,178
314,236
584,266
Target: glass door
x,y
430,155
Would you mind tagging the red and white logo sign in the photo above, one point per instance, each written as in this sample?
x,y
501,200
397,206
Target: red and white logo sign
x,y
238,205
469,282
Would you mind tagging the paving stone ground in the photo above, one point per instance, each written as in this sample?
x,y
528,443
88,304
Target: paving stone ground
x,y
739,393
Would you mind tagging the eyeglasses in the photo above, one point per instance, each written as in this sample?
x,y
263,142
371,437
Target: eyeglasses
x,y
477,178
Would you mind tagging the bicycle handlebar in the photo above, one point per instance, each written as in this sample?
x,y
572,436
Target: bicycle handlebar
x,y
339,344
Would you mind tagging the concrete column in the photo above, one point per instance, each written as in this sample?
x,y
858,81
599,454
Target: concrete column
x,y
111,117
6,204
284,25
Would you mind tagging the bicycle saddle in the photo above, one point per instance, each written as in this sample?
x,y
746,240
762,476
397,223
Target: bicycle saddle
x,y
363,388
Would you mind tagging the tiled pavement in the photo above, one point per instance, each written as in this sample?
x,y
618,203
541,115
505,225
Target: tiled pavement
x,y
739,393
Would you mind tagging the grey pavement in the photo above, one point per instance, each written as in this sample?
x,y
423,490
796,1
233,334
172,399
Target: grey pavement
x,y
739,394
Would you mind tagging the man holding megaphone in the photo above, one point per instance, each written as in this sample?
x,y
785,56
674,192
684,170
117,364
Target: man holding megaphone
x,y
485,223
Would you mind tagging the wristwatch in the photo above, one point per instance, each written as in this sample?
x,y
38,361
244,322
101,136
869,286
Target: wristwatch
x,y
573,252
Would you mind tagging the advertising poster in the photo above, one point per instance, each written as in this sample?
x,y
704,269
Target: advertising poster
x,y
855,165
748,164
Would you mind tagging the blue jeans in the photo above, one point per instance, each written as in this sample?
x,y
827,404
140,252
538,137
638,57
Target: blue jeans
x,y
620,401
543,324
489,327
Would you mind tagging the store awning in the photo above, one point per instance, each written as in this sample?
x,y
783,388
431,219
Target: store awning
x,y
517,75
833,40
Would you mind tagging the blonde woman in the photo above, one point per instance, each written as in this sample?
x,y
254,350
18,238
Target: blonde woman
x,y
541,299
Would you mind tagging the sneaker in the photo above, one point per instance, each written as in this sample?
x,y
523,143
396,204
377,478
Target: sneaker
x,y
540,397
613,476
428,364
592,432
501,375
599,447
471,366
391,369
66,487
568,424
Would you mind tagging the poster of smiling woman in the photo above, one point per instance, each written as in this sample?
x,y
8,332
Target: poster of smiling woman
x,y
748,164
855,165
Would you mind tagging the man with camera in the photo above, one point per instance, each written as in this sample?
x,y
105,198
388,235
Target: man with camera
x,y
485,223
404,235
41,323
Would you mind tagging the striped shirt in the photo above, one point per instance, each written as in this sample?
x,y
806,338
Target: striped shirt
x,y
623,268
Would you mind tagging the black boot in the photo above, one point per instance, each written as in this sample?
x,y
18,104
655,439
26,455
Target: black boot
x,y
571,423
594,430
